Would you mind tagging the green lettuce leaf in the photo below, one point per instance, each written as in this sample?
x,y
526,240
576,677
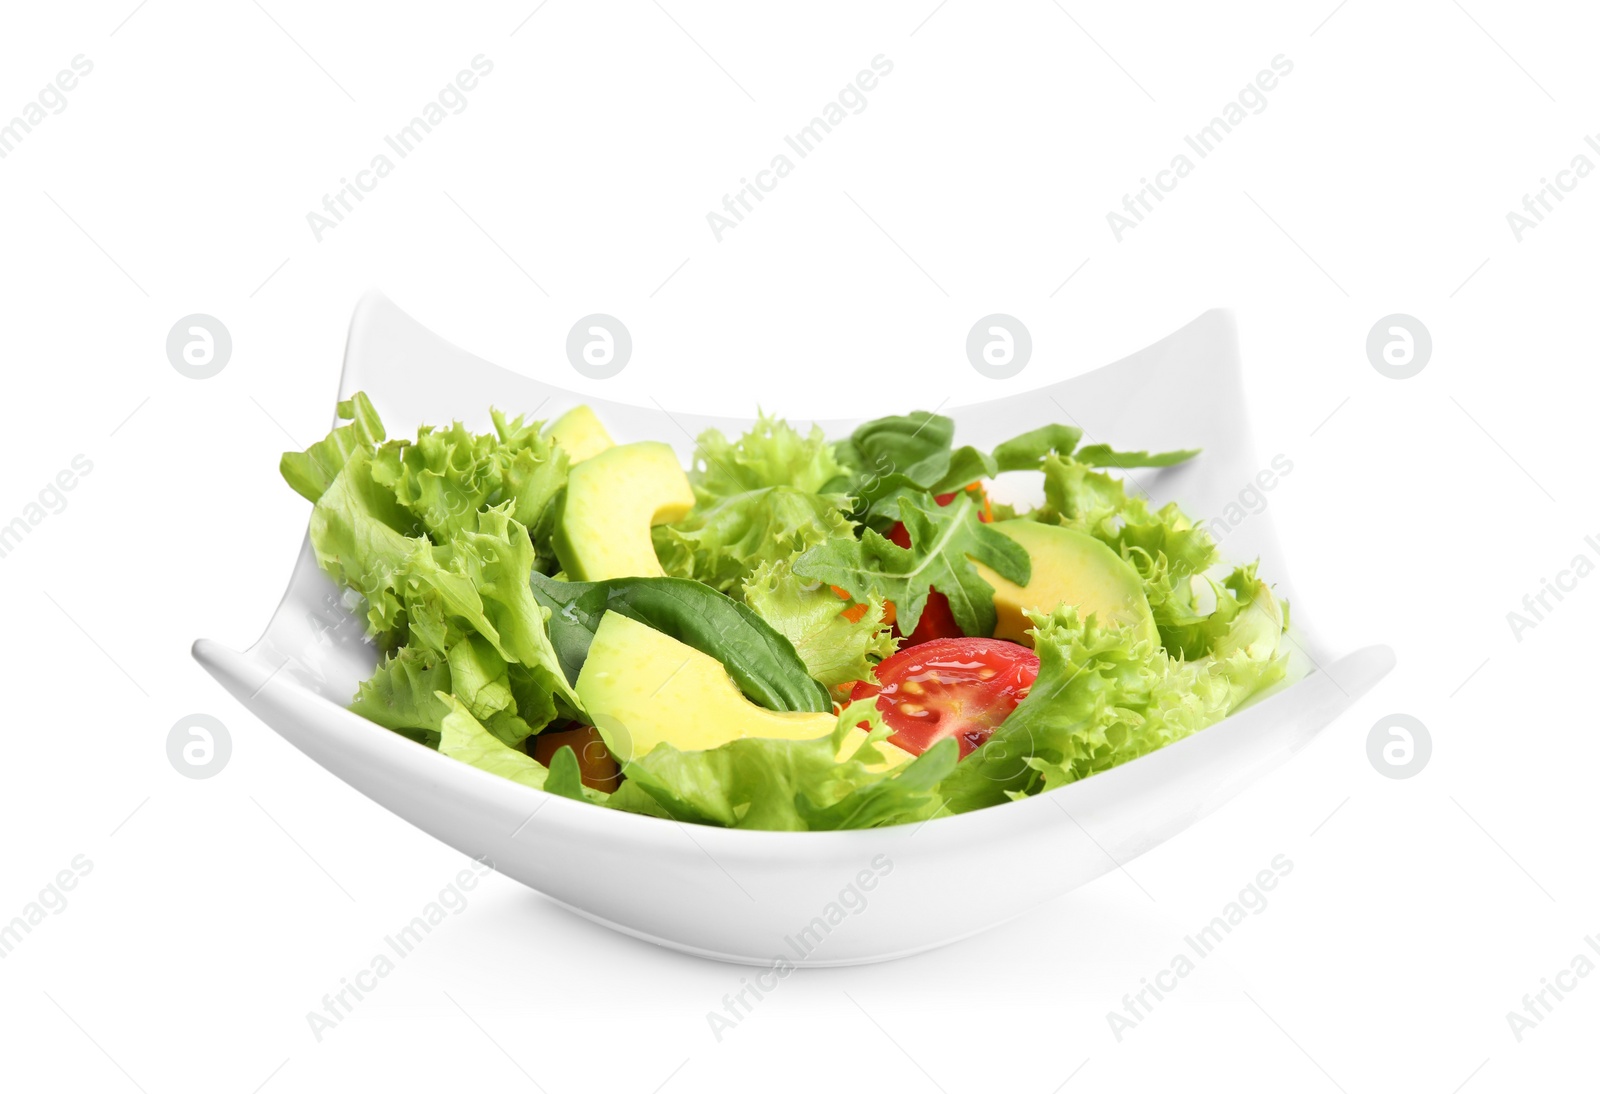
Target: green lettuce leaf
x,y
1105,696
789,785
835,650
401,694
312,471
463,737
1169,551
479,582
943,540
427,533
446,476
720,543
772,453
757,499
356,534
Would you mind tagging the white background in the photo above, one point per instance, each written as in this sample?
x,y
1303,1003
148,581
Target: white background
x,y
1419,512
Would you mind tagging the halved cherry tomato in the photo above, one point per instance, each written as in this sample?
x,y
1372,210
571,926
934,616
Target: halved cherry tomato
x,y
937,621
597,768
950,687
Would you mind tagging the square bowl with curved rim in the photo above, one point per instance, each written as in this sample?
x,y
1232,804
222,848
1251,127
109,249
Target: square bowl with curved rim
x,y
805,898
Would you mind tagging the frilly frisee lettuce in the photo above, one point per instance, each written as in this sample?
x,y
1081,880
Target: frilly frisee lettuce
x,y
473,629
838,647
1170,552
446,476
757,499
426,532
1104,696
446,539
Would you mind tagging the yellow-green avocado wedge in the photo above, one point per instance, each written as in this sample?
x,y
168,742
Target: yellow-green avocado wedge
x,y
580,434
641,688
613,499
1069,568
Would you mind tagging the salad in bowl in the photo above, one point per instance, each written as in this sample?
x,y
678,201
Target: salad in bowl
x,y
797,632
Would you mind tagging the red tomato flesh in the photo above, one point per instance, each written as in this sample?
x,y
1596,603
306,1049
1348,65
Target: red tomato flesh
x,y
950,687
936,621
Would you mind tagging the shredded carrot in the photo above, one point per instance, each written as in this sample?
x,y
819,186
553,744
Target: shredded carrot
x,y
987,516
840,593
854,612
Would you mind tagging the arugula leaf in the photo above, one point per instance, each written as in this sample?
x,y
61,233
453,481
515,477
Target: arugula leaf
x,y
1026,452
1102,455
565,777
943,538
967,466
760,659
877,499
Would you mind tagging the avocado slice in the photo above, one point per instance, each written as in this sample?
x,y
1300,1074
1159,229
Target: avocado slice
x,y
761,660
580,433
1069,568
612,501
641,688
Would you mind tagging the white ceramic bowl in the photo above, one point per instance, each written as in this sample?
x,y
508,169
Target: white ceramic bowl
x,y
825,898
